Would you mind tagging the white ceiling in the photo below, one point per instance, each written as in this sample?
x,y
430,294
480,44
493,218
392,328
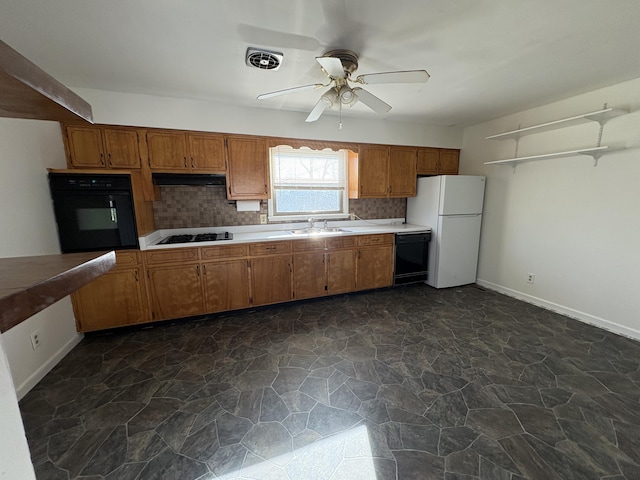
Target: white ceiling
x,y
486,58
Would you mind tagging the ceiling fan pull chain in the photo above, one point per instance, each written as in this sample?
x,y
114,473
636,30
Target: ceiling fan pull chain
x,y
340,124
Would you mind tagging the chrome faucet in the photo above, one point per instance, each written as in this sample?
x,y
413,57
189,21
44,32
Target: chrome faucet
x,y
310,222
325,226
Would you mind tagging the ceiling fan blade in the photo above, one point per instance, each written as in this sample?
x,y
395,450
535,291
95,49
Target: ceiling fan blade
x,y
290,90
371,101
332,65
407,76
317,111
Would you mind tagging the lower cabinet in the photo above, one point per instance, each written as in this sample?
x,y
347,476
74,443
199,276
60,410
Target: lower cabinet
x,y
226,285
271,279
176,291
115,299
185,282
375,261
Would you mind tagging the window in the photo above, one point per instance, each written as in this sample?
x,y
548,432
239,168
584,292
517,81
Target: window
x,y
306,183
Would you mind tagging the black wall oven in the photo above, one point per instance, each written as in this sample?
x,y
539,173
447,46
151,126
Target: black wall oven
x,y
412,253
93,212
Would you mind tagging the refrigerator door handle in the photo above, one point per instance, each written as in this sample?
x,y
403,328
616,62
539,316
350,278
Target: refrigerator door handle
x,y
461,215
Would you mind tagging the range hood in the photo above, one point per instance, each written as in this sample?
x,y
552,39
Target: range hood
x,y
187,179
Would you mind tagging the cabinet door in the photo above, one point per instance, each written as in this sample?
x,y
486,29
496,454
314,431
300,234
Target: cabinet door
x,y
428,159
247,168
373,171
271,279
85,147
176,291
341,271
122,148
167,150
375,267
226,285
402,172
206,153
449,160
112,300
309,275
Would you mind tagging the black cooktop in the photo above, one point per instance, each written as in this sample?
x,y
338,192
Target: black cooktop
x,y
200,237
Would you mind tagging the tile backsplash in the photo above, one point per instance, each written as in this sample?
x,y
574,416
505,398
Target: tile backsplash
x,y
207,206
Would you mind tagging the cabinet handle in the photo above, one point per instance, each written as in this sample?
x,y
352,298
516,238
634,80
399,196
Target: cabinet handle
x,y
185,162
198,270
192,163
101,159
136,276
109,159
204,270
229,190
265,188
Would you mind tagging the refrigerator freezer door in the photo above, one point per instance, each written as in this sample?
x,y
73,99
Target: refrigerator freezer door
x,y
461,194
456,261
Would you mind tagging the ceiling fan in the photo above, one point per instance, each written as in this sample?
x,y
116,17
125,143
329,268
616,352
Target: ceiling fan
x,y
338,65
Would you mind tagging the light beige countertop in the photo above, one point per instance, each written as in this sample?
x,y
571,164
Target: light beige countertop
x,y
280,231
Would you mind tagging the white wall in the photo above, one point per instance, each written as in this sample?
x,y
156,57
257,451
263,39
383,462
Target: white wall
x,y
575,226
28,148
151,111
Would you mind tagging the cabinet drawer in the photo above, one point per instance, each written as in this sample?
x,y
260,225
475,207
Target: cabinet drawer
x,y
341,242
308,244
127,258
176,255
384,239
227,251
269,248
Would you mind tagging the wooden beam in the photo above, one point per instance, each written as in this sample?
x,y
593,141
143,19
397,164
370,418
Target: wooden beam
x,y
27,91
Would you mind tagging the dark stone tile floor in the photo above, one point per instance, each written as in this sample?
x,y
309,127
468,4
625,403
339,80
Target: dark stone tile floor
x,y
408,383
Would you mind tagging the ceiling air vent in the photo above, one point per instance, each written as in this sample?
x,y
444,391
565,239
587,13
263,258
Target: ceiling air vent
x,y
263,59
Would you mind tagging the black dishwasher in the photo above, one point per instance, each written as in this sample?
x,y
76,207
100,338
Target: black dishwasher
x,y
411,258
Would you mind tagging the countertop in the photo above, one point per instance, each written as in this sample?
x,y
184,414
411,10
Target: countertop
x,y
282,231
30,284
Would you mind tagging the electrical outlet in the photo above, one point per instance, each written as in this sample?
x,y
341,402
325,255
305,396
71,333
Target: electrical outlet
x,y
531,278
263,219
35,340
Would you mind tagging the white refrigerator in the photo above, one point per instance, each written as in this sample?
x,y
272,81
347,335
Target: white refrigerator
x,y
452,206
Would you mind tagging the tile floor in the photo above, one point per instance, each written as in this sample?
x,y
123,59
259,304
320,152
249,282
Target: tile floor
x,y
408,383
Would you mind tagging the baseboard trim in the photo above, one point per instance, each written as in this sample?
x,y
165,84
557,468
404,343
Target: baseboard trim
x,y
39,374
569,312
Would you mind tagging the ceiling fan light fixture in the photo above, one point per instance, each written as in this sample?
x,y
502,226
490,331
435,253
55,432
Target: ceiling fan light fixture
x,y
330,99
347,96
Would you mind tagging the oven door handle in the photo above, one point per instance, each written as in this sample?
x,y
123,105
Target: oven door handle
x,y
114,213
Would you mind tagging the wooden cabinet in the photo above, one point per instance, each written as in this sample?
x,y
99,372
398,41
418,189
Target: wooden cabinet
x,y
206,153
115,299
247,168
437,161
375,261
175,285
271,279
179,151
402,172
341,271
176,291
373,171
102,147
309,274
226,285
381,171
167,150
226,277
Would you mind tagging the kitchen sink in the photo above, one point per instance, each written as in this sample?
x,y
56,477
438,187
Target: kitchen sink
x,y
318,231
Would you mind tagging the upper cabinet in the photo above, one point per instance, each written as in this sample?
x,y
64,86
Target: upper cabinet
x,y
102,147
438,161
380,171
247,168
171,150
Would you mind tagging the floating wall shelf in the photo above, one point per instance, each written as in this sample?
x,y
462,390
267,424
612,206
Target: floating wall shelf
x,y
600,116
